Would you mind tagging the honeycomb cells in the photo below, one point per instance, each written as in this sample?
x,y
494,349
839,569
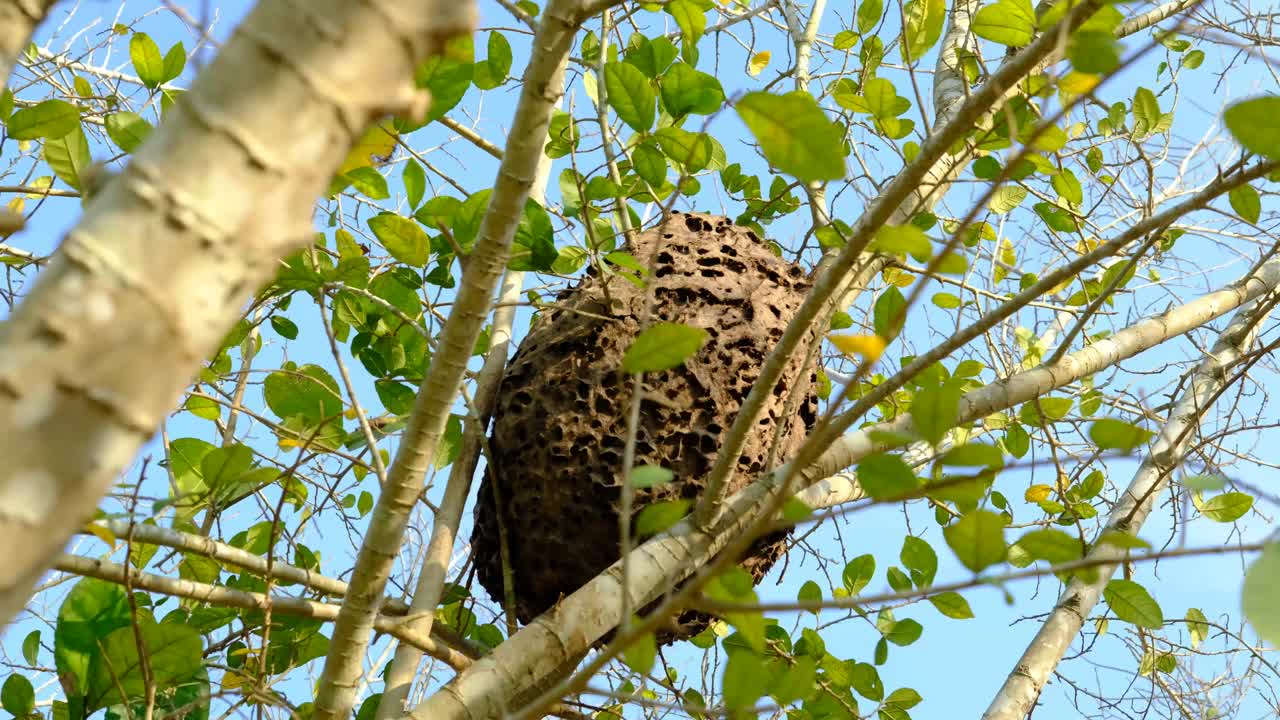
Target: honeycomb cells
x,y
559,429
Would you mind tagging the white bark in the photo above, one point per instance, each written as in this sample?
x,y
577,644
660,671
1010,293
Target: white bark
x,y
1022,687
543,84
18,19
569,629
145,287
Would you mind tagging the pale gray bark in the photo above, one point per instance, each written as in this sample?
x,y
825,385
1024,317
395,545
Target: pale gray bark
x,y
18,19
542,87
1023,685
143,290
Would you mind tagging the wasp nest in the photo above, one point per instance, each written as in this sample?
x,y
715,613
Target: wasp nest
x,y
561,418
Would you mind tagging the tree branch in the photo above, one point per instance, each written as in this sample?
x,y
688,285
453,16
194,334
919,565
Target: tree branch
x,y
1021,688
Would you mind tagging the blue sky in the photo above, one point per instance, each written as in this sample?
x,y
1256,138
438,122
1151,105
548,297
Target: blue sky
x,y
957,665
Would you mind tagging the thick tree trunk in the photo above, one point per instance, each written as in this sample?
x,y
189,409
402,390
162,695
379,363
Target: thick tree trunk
x,y
144,289
18,19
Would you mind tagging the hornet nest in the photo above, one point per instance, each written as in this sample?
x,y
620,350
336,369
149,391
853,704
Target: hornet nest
x,y
560,421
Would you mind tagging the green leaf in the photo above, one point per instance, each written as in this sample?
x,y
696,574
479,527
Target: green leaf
x,y
415,182
888,306
864,678
308,391
1246,203
1132,603
904,699
659,516
1068,187
1096,53
924,25
685,90
175,61
918,557
31,647
68,157
977,539
146,60
691,19
869,12
630,95
1227,507
395,397
936,410
858,573
952,605
1051,545
1050,409
794,134
448,75
641,654
1146,112
903,632
651,56
534,247
946,301
368,182
1112,434
18,696
903,240
403,238
127,130
647,476
649,164
796,682
91,611
1198,624
844,40
493,71
1261,588
1008,22
1193,59
884,476
691,150
173,653
973,454
1006,198
663,346
1253,123
49,119
809,592
746,678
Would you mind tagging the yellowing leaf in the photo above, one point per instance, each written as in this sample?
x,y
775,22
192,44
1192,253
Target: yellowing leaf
x,y
870,347
1037,493
759,62
1078,83
287,443
378,142
101,533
